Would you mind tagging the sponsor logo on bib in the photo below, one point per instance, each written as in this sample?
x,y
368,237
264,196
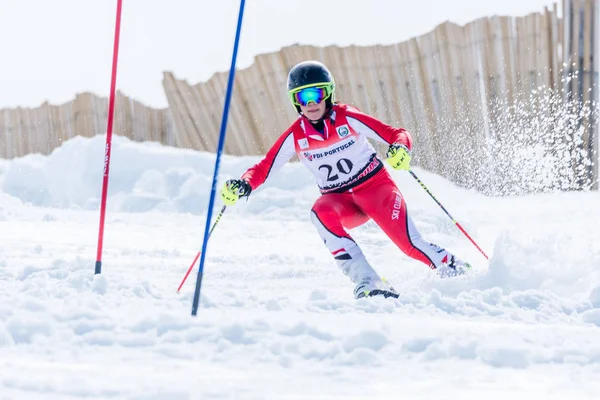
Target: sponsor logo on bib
x,y
315,155
343,131
303,143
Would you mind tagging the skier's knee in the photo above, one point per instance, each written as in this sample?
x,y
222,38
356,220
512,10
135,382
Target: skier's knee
x,y
320,217
314,218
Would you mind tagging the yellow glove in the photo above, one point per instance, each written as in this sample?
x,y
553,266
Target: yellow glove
x,y
398,157
233,189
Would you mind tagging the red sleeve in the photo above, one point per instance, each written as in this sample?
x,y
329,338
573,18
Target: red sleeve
x,y
279,154
377,130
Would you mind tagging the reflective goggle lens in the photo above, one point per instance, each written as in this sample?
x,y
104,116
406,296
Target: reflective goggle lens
x,y
312,94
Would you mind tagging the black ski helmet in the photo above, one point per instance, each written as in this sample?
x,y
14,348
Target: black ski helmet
x,y
307,74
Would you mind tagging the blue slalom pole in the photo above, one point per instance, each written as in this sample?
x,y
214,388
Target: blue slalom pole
x,y
218,161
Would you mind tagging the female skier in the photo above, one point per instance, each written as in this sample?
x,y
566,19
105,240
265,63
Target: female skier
x,y
330,139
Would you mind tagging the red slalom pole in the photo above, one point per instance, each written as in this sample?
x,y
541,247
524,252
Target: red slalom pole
x,y
109,128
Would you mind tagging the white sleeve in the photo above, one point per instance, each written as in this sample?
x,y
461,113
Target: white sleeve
x,y
286,151
276,157
363,129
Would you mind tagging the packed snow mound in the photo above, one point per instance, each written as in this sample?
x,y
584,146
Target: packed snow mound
x,y
143,176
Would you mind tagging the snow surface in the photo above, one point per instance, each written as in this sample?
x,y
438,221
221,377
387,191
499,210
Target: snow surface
x,y
277,319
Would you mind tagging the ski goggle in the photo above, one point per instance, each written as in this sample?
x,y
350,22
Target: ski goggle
x,y
311,94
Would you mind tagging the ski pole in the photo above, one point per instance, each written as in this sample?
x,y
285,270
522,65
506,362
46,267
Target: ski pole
x,y
198,255
447,213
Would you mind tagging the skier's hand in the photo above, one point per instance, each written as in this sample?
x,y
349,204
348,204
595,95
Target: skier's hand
x,y
398,157
233,189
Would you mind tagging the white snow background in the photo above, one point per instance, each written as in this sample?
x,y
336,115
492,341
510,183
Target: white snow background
x,y
277,319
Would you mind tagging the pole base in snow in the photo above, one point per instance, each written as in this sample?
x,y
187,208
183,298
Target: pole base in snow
x,y
98,267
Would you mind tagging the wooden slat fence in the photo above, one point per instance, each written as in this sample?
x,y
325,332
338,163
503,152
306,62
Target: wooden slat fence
x,y
42,129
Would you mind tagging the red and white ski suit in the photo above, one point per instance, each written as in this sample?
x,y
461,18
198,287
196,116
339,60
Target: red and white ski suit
x,y
354,184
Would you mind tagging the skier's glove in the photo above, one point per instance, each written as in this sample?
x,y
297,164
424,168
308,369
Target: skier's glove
x,y
233,189
398,156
